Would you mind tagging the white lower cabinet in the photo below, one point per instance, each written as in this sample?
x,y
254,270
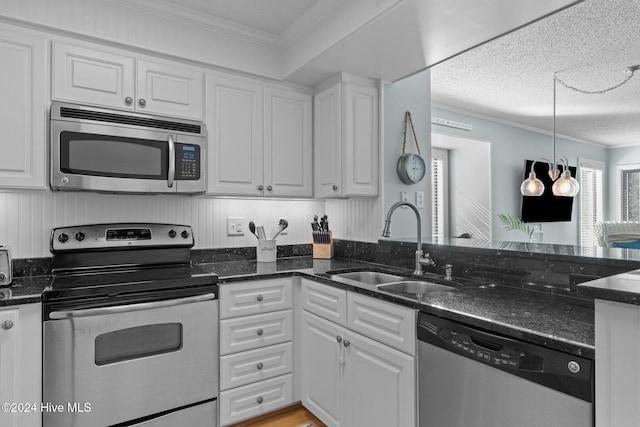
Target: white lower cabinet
x,y
21,365
256,363
348,379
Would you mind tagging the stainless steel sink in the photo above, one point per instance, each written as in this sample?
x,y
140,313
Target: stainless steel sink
x,y
415,287
369,277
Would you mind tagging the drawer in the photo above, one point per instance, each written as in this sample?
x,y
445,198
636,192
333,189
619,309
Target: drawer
x,y
255,399
325,301
249,332
247,367
384,322
255,297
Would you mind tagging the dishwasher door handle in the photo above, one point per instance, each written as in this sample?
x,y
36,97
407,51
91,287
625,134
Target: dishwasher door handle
x,y
72,314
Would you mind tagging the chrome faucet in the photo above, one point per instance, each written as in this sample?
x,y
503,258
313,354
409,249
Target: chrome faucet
x,y
420,261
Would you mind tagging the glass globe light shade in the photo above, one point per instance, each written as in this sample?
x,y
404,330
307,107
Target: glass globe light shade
x,y
566,186
532,186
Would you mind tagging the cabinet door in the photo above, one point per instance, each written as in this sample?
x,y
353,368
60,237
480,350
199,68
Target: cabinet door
x,y
322,369
91,76
21,364
327,110
287,142
235,125
23,110
379,384
360,152
325,301
169,90
254,297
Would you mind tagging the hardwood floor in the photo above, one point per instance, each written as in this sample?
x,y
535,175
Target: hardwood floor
x,y
293,416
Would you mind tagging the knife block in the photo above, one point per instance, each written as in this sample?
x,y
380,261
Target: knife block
x,y
324,250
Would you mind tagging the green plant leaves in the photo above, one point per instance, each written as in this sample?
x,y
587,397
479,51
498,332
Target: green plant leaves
x,y
510,222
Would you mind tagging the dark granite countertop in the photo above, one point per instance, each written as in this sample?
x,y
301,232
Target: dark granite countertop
x,y
556,321
624,287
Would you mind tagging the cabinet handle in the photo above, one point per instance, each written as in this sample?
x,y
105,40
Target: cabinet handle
x,y
259,400
260,332
269,188
142,102
259,298
346,343
259,366
335,187
7,324
128,100
339,338
260,187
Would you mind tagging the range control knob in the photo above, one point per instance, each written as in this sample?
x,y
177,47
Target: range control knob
x,y
80,236
63,238
172,233
184,234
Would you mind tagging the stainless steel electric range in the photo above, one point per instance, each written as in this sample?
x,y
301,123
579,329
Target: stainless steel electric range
x,y
130,329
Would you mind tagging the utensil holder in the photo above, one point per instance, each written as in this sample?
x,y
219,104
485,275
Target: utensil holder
x,y
323,250
266,250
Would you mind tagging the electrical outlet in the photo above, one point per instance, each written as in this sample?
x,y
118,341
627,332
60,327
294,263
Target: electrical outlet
x,y
420,199
286,229
235,226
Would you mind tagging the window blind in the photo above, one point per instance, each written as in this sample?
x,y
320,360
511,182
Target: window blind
x,y
590,175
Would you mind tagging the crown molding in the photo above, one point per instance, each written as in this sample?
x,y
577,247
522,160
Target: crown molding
x,y
207,22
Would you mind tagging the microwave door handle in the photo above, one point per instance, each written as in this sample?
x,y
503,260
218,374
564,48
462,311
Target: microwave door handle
x,y
72,314
172,161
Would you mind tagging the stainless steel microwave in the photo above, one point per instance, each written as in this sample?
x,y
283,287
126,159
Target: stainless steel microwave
x,y
96,149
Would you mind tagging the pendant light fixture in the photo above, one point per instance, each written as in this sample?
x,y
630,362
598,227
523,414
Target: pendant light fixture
x,y
564,184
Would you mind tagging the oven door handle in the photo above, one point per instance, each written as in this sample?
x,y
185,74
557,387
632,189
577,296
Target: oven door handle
x,y
73,314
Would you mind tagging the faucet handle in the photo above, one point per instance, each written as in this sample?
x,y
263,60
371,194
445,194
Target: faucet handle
x,y
426,260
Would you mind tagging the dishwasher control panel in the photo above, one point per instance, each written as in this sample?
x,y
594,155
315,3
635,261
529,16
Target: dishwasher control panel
x,y
487,352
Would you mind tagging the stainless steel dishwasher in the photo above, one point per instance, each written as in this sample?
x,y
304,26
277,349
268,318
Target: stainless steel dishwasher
x,y
468,377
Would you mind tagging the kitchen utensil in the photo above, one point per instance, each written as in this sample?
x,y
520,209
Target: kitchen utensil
x,y
252,228
5,265
262,235
282,225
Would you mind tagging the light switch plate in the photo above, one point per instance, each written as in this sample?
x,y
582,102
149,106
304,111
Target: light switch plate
x,y
235,226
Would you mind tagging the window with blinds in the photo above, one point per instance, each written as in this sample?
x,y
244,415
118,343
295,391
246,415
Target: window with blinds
x,y
439,189
437,202
630,195
591,194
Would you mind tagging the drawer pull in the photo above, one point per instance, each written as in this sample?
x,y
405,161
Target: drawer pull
x,y
259,365
260,332
259,298
7,324
346,343
259,400
339,338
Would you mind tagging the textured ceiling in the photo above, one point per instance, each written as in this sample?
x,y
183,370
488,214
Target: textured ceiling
x,y
272,16
588,45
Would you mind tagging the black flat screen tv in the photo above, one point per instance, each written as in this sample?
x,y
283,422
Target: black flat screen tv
x,y
545,208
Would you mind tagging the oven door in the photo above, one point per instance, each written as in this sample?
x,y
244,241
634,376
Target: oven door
x,y
109,365
124,160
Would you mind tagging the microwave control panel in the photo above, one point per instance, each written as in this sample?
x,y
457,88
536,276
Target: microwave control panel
x,y
187,162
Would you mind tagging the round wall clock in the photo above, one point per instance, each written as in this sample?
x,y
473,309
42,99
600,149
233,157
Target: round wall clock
x,y
411,168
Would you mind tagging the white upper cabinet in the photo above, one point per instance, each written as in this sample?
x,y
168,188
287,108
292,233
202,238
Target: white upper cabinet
x,y
346,138
259,138
287,143
116,79
23,110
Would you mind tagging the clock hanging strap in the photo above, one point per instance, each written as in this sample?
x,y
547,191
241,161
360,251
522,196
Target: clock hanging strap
x,y
407,118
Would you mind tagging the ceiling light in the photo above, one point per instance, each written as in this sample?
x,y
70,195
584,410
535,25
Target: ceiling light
x,y
564,185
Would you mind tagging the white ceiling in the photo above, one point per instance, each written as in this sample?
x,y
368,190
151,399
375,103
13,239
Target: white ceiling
x,y
511,78
271,16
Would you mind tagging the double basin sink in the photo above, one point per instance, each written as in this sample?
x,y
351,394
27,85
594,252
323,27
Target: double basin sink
x,y
393,283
